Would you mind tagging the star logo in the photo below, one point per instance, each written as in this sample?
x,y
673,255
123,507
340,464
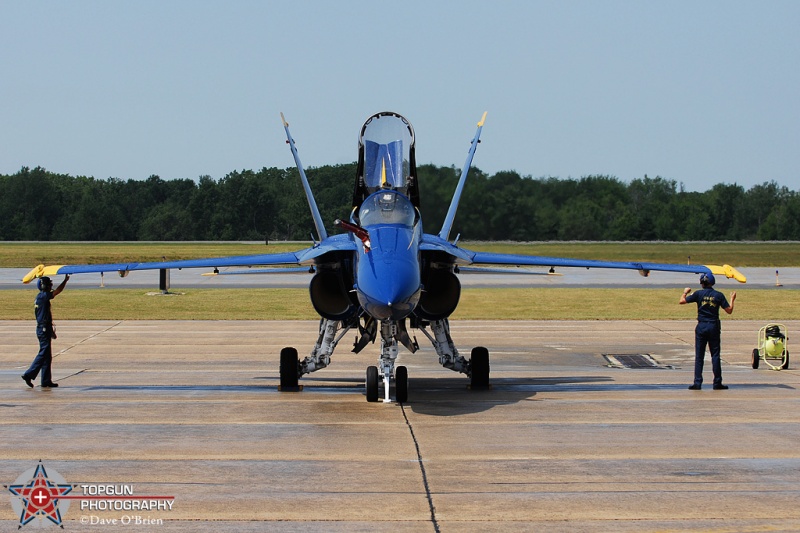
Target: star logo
x,y
37,495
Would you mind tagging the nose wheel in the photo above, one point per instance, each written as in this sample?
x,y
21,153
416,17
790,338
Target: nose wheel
x,y
372,384
400,384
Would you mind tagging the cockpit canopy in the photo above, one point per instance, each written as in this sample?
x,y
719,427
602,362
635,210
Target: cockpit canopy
x,y
385,165
386,158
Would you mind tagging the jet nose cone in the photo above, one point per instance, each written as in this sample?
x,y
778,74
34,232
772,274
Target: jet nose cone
x,y
390,302
389,311
380,311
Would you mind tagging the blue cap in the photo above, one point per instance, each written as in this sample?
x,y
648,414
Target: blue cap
x,y
707,279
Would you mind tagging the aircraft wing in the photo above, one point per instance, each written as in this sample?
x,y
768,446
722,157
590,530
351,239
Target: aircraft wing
x,y
644,268
305,257
468,257
487,270
268,270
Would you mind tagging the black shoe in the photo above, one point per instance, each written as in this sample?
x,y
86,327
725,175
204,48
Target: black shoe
x,y
49,385
27,381
720,386
694,387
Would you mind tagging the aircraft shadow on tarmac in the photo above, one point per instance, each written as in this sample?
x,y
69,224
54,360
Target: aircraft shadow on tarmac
x,y
180,388
452,397
434,396
438,396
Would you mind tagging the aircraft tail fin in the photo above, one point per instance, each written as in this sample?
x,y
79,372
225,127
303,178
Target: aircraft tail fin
x,y
312,203
451,212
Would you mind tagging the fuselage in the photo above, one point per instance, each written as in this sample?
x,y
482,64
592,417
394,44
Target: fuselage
x,y
387,277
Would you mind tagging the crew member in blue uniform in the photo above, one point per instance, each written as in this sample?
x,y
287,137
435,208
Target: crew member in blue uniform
x,y
707,332
45,332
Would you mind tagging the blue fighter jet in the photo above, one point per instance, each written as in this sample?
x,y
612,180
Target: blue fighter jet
x,y
383,275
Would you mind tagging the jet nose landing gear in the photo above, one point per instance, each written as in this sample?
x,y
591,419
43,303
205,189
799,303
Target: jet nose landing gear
x,y
390,331
400,384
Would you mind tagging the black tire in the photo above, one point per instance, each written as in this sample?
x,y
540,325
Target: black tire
x,y
290,370
785,365
756,358
372,384
479,367
401,384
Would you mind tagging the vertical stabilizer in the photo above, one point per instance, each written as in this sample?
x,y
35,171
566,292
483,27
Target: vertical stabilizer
x,y
451,212
321,233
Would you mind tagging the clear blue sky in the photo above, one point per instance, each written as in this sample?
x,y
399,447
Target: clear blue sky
x,y
699,92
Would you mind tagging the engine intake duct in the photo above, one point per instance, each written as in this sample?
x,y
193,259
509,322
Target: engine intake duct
x,y
440,295
330,295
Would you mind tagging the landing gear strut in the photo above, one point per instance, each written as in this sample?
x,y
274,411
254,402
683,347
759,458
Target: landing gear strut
x,y
292,368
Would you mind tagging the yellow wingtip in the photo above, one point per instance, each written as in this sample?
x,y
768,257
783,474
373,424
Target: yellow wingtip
x,y
33,274
40,271
483,119
727,271
286,124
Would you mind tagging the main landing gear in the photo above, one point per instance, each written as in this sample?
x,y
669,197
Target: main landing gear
x,y
476,368
292,368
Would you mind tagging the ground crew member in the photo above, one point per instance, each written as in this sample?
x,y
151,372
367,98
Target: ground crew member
x,y
707,332
45,332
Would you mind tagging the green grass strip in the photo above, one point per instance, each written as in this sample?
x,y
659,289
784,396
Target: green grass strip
x,y
479,304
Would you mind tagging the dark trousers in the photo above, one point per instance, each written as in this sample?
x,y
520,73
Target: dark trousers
x,y
44,358
707,333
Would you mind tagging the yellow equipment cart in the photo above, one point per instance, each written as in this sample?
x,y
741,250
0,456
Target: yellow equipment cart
x,y
772,347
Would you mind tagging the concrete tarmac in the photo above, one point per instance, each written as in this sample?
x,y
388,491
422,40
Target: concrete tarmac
x,y
566,440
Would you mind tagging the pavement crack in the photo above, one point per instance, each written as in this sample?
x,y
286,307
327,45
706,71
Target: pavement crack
x,y
668,334
68,348
422,470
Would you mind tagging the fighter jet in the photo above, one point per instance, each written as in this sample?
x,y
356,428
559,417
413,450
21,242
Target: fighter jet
x,y
382,274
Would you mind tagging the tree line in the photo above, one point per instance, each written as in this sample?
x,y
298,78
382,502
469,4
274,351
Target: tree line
x,y
270,204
